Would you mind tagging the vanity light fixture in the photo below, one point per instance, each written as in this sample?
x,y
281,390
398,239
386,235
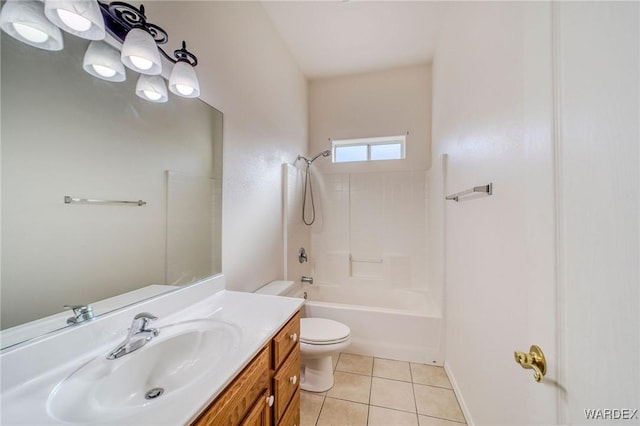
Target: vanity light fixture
x,y
81,18
25,21
183,80
152,88
140,53
141,49
103,61
38,23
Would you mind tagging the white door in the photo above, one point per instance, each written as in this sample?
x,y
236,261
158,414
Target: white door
x,y
598,113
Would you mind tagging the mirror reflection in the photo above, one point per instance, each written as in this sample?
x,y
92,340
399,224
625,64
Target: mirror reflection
x,y
67,133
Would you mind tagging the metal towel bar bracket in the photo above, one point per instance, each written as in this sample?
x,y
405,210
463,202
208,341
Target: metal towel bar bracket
x,y
69,200
486,189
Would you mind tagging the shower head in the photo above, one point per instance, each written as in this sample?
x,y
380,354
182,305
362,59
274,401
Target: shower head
x,y
325,153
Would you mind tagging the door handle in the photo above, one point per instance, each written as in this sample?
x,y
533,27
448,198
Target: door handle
x,y
533,360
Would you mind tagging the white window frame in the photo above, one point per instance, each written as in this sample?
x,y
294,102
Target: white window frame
x,y
368,142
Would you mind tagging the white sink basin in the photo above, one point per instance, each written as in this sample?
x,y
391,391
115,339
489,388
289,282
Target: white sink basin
x,y
106,390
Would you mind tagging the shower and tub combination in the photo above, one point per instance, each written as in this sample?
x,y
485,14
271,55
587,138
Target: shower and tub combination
x,y
383,297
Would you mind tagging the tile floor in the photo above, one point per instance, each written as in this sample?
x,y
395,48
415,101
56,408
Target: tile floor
x,y
381,392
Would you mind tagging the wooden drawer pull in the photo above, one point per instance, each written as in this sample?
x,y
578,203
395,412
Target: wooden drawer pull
x,y
294,337
270,400
293,379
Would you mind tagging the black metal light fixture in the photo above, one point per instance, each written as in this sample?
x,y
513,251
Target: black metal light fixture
x,y
126,24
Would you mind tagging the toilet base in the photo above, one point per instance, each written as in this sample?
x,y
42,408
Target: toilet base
x,y
317,374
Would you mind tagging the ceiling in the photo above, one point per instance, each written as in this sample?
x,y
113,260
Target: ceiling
x,y
329,38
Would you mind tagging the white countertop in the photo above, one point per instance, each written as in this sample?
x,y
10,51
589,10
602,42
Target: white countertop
x,y
26,389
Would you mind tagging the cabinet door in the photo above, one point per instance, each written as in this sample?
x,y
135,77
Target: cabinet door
x,y
240,397
260,413
291,416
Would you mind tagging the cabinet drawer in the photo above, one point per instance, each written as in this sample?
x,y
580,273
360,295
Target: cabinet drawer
x,y
239,397
291,416
286,383
286,339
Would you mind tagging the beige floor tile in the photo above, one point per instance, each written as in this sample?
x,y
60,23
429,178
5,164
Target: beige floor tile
x,y
334,361
437,402
357,364
379,416
433,421
389,369
430,375
352,387
392,394
337,412
310,405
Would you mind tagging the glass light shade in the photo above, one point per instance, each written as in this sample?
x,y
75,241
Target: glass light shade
x,y
81,18
103,61
26,21
184,81
152,88
140,53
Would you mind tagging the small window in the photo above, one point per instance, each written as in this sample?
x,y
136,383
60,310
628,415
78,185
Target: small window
x,y
369,149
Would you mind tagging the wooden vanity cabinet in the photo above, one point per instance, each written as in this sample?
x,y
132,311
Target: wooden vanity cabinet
x,y
286,374
247,393
267,391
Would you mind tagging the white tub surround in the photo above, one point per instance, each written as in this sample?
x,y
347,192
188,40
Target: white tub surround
x,y
32,371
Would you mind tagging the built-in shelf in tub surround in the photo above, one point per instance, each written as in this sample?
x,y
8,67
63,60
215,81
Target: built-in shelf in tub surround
x,y
32,371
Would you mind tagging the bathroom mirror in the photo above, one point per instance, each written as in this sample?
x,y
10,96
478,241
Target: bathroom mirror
x,y
66,133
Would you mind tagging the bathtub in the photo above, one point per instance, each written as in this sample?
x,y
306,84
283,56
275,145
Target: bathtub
x,y
395,324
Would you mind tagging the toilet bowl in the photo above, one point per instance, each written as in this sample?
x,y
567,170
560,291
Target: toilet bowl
x,y
320,338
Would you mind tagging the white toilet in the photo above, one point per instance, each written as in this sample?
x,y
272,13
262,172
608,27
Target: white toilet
x,y
320,338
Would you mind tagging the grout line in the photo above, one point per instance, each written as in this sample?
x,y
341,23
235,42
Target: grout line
x,y
433,386
393,409
413,391
324,398
442,418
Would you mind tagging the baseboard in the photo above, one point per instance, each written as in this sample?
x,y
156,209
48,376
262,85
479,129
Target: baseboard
x,y
456,390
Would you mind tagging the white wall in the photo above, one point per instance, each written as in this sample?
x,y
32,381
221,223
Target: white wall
x,y
381,103
491,116
247,73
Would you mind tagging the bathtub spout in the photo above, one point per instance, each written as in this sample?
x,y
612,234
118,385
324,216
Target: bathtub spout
x,y
306,279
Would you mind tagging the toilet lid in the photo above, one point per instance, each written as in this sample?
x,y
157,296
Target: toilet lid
x,y
322,331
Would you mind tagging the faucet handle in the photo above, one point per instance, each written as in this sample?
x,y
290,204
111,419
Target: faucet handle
x,y
79,309
141,321
80,313
146,315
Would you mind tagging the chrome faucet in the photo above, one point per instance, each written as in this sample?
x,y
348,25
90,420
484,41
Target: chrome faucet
x,y
81,313
306,279
138,335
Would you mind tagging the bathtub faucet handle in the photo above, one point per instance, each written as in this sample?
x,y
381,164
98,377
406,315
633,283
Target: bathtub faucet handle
x,y
302,255
306,279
